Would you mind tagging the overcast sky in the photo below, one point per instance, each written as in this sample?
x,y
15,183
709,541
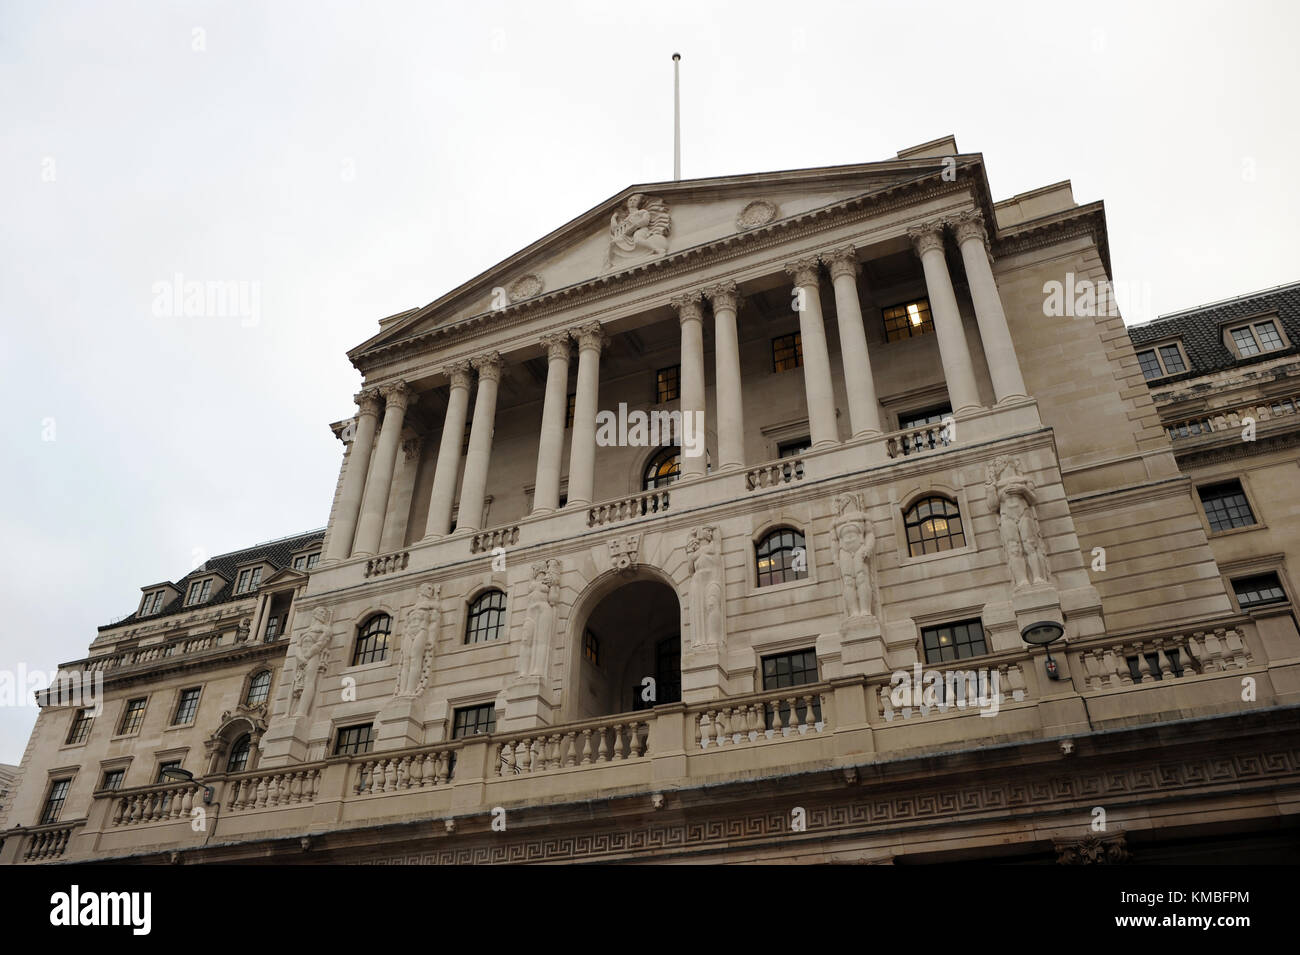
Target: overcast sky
x,y
351,160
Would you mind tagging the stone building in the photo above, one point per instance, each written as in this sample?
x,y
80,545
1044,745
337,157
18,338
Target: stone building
x,y
727,522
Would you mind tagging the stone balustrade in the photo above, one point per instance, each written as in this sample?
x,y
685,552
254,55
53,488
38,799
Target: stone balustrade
x,y
267,790
49,842
387,564
395,772
629,508
1109,665
487,541
795,711
1233,419
962,686
785,471
916,440
583,744
163,803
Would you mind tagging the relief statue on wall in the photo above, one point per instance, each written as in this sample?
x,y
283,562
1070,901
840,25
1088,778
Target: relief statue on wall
x,y
539,620
853,551
1010,495
638,230
418,639
311,657
707,594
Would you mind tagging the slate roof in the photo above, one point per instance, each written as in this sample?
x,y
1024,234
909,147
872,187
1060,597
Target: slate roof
x,y
278,553
1200,330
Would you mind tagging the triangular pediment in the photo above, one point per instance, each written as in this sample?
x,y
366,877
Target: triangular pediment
x,y
650,223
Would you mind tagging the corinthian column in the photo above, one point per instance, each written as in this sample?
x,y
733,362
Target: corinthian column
x,y
953,349
474,484
582,448
864,409
375,505
816,357
691,383
546,488
443,494
1004,367
726,349
354,479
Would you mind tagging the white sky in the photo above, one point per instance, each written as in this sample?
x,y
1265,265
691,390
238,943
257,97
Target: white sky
x,y
358,159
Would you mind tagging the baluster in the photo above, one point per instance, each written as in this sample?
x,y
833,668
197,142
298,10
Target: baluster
x,y
586,747
776,719
360,786
703,726
119,810
1162,658
810,717
261,793
602,752
390,775
636,740
618,742
188,803
571,748
537,754
557,741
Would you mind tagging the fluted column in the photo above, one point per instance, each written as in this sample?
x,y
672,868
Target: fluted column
x,y
954,351
726,353
375,504
473,485
691,383
1004,367
816,356
582,447
354,480
438,523
859,384
550,446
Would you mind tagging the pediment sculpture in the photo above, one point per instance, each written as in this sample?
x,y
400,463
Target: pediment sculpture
x,y
638,230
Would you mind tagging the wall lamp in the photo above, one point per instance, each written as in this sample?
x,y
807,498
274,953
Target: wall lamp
x,y
185,776
1042,634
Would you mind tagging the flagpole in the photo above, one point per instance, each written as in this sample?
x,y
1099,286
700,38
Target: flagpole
x,y
677,119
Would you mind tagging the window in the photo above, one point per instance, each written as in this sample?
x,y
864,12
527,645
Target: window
x,y
936,437
1172,358
792,449
781,557
113,779
908,320
152,603
473,720
1282,406
186,706
1150,364
80,729
1161,360
372,645
487,616
353,740
668,384
1258,590
54,801
787,352
259,688
200,590
1186,429
569,408
306,561
591,648
132,716
162,770
790,669
1226,506
237,762
1256,338
933,525
249,578
954,641
272,629
663,469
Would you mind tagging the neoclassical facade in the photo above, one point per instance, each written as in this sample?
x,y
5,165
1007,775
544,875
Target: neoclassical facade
x,y
728,522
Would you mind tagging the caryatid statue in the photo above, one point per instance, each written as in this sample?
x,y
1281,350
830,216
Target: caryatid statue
x,y
853,550
418,642
311,657
539,619
704,552
1010,495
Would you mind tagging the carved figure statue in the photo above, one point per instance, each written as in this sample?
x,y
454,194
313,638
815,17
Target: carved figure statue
x,y
639,230
1011,496
311,658
853,550
704,552
418,639
539,619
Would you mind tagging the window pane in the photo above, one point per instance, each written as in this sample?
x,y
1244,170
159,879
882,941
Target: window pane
x,y
933,525
1245,341
186,706
372,645
780,557
474,720
486,619
907,320
259,688
1269,339
1150,365
954,641
668,384
787,352
1172,358
1226,506
1257,590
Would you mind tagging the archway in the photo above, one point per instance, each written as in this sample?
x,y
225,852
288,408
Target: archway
x,y
632,631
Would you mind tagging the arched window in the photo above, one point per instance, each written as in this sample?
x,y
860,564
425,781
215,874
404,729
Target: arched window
x,y
662,469
259,688
238,759
372,645
781,556
487,617
933,525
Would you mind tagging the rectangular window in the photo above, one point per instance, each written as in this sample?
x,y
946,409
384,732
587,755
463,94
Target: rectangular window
x,y
591,648
474,720
1245,342
668,384
54,801
1226,506
792,449
1258,590
1269,339
908,320
186,706
152,603
787,352
954,641
1282,406
132,716
783,670
1150,364
353,740
162,770
113,779
249,578
80,730
313,560
1187,429
200,590
1172,359
568,410
272,629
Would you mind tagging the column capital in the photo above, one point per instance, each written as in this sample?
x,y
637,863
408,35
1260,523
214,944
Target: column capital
x,y
458,374
842,261
722,295
368,401
399,395
804,270
970,225
927,236
557,345
589,336
488,366
688,306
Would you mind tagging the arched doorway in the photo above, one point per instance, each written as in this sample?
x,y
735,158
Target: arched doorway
x,y
632,631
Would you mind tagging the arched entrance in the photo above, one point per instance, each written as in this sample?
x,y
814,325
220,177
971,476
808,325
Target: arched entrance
x,y
631,631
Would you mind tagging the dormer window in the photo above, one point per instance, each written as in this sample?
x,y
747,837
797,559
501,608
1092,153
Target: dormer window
x,y
200,590
1163,360
1256,338
249,579
152,603
306,561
